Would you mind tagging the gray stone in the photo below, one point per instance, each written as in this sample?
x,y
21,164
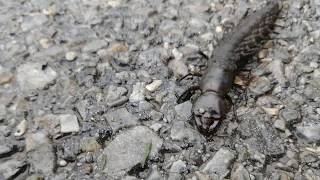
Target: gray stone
x,y
239,172
178,67
182,131
5,76
218,165
260,86
145,106
277,69
291,116
184,110
154,85
155,174
5,149
121,118
31,76
114,93
176,170
265,141
315,34
21,128
129,149
280,124
138,92
10,168
130,178
123,59
71,55
33,20
207,36
309,132
95,45
155,115
68,123
40,153
2,111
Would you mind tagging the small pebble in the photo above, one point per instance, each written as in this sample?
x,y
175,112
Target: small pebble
x,y
156,127
62,163
51,11
314,65
154,85
45,43
280,124
219,29
263,53
260,85
69,123
71,55
21,128
271,111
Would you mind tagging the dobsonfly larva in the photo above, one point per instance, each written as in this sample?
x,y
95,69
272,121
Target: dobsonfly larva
x,y
244,41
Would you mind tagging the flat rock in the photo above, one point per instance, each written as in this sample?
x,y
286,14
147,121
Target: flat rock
x,y
5,150
178,67
155,174
291,116
176,170
114,93
10,168
182,131
184,110
5,77
68,123
129,149
277,69
239,172
261,135
31,76
154,85
121,118
260,86
138,92
309,132
218,165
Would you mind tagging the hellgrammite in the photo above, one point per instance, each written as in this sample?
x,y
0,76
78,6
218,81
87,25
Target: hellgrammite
x,y
232,52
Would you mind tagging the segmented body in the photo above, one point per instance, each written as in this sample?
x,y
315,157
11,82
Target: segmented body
x,y
244,41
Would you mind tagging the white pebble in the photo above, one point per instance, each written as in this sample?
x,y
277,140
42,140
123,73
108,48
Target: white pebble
x,y
69,123
154,85
45,43
219,29
177,55
21,128
314,65
71,55
62,163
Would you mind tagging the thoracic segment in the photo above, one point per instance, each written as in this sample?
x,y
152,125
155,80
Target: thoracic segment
x,y
244,41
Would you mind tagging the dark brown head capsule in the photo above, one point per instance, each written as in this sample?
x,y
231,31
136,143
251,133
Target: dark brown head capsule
x,y
244,41
209,109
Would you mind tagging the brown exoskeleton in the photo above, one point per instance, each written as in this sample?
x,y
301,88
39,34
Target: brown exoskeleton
x,y
245,40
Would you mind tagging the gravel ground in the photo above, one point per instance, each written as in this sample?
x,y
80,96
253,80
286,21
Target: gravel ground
x,y
88,90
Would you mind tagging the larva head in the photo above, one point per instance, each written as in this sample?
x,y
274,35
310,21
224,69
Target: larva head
x,y
209,109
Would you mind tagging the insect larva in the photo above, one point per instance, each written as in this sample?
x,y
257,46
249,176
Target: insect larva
x,y
245,40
